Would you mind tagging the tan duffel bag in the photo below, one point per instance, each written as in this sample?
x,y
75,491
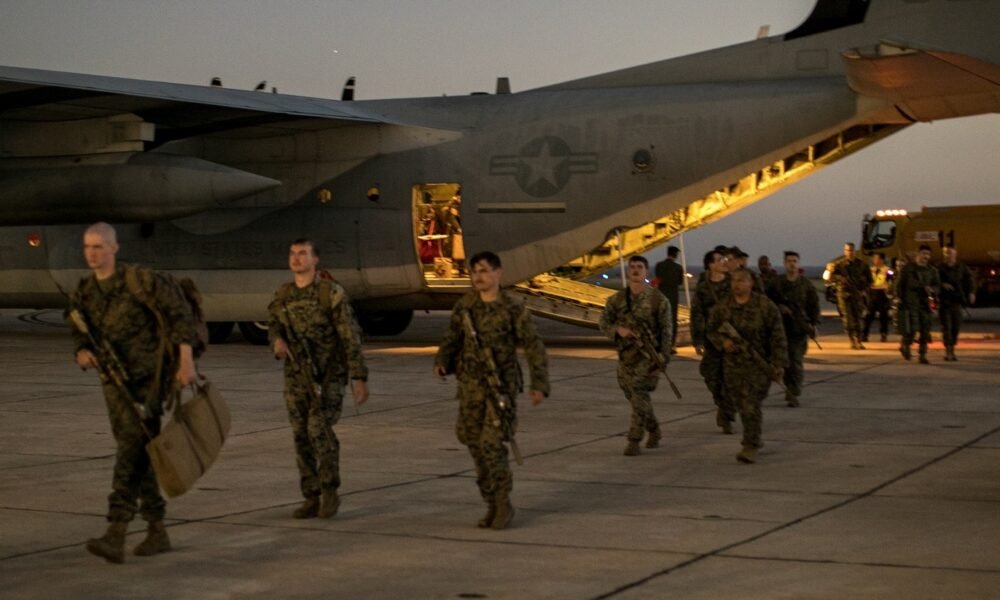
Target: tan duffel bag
x,y
189,444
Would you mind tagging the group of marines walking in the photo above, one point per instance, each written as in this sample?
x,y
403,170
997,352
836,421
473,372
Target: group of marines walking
x,y
748,334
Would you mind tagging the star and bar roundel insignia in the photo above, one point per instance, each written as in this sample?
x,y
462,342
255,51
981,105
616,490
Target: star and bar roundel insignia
x,y
544,165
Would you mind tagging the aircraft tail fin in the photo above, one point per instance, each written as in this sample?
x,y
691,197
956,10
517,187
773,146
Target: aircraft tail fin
x,y
819,47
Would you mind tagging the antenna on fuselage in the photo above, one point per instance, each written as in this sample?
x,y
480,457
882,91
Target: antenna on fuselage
x,y
503,85
348,93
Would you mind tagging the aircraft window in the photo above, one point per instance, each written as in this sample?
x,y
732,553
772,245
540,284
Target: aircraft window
x,y
437,230
881,234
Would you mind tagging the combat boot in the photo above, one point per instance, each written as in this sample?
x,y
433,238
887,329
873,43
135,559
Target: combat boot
x,y
110,546
504,511
923,360
723,421
653,440
632,449
748,455
491,513
885,337
854,343
328,504
308,510
156,540
791,400
905,351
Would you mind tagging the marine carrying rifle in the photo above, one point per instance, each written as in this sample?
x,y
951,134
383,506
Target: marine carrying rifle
x,y
306,367
109,367
647,346
499,409
727,329
809,328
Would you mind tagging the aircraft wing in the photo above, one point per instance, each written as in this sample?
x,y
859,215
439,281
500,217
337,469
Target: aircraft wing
x,y
75,147
177,110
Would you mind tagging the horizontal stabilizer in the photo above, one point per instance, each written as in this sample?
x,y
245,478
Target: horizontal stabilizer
x,y
925,85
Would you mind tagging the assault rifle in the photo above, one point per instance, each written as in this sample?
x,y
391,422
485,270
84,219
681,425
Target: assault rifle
x,y
306,367
109,367
499,409
809,328
647,346
730,332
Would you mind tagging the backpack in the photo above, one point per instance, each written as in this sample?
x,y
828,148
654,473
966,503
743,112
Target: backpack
x,y
139,283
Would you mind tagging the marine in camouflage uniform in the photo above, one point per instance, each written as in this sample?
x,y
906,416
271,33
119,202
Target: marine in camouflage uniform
x,y
707,294
957,291
758,324
852,278
917,282
313,328
120,320
501,324
636,308
798,303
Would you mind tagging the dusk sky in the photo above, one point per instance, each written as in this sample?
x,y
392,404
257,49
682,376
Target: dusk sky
x,y
427,48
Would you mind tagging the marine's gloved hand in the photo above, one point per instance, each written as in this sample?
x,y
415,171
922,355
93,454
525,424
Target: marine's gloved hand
x,y
536,397
439,372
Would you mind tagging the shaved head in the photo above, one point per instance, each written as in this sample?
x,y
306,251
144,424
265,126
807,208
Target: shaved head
x,y
107,232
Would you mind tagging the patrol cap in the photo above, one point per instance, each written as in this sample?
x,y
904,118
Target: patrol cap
x,y
735,251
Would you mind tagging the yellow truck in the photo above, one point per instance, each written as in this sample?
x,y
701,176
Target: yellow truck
x,y
973,230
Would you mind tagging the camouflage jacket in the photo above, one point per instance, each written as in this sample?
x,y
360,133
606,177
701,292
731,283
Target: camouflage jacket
x,y
501,326
915,284
707,294
116,316
802,301
329,336
758,322
852,277
649,310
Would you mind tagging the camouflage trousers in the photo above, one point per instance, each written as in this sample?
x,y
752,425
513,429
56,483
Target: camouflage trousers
x,y
317,449
794,372
637,386
485,442
748,395
133,482
852,313
917,322
711,371
950,314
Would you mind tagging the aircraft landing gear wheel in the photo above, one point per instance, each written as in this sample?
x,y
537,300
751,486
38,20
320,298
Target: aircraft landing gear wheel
x,y
219,331
254,332
392,322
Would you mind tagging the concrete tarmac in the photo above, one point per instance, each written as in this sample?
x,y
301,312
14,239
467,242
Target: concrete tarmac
x,y
884,484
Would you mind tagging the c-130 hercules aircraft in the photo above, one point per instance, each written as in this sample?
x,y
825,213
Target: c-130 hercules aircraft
x,y
213,183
